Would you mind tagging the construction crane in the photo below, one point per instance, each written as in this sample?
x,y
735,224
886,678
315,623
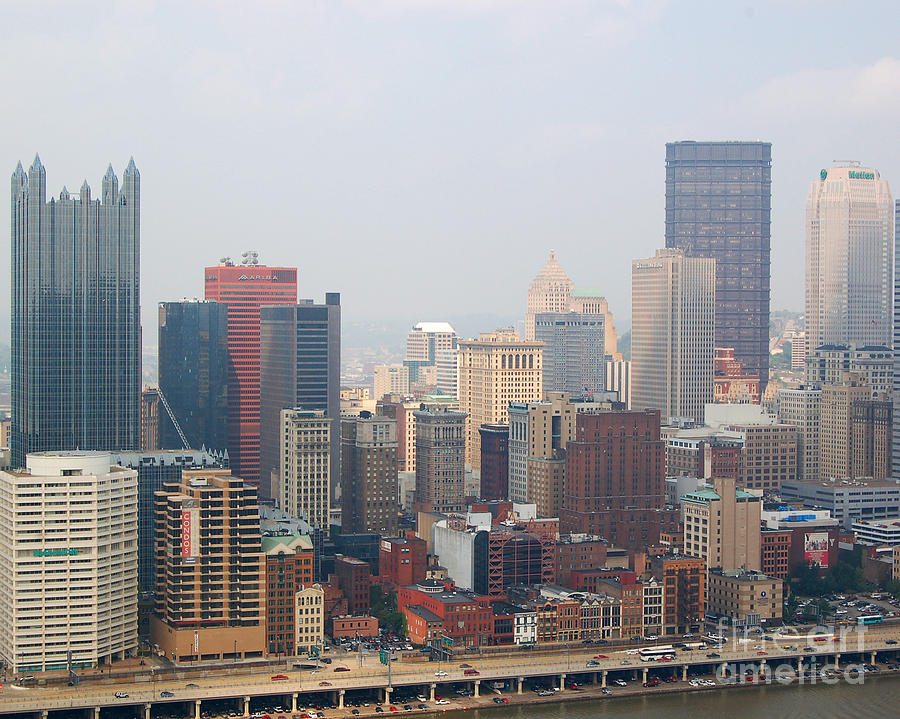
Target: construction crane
x,y
165,403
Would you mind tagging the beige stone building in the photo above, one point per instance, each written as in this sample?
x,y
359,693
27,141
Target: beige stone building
x,y
768,454
744,596
310,619
801,408
538,433
835,430
496,369
722,526
391,379
590,301
673,306
306,465
549,292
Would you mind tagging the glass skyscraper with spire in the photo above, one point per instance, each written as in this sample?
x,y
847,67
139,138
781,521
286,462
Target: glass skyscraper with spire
x,y
76,353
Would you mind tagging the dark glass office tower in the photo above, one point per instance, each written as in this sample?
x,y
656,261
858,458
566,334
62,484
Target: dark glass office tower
x,y
193,373
299,366
718,203
76,351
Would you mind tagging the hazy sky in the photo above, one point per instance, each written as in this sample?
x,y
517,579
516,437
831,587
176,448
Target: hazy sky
x,y
422,157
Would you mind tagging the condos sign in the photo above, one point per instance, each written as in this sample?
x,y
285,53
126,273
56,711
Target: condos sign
x,y
190,528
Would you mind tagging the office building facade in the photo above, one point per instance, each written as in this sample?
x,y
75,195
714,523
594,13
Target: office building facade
x,y
76,354
801,408
68,527
673,312
243,290
194,372
300,366
718,205
304,477
494,461
549,291
895,443
574,352
440,460
849,246
369,475
431,344
494,370
209,602
828,364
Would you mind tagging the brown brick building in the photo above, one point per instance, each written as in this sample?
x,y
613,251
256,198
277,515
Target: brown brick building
x,y
684,591
615,476
353,577
775,552
494,461
402,560
289,568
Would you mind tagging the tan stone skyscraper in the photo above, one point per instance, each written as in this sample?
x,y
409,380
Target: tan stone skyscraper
x,y
849,253
673,303
548,292
494,370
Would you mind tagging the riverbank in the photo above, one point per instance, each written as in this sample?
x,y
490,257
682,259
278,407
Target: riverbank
x,y
584,693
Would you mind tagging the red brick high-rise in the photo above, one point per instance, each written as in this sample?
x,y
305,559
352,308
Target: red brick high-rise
x,y
615,478
245,288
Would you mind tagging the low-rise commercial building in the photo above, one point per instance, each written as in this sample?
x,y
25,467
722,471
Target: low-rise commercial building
x,y
875,534
848,500
722,525
683,580
350,627
747,599
402,560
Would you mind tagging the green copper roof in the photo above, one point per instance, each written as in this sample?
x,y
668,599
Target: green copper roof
x,y
286,542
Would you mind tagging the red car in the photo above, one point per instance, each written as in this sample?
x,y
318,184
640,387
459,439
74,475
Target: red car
x,y
601,656
471,672
280,677
324,684
762,654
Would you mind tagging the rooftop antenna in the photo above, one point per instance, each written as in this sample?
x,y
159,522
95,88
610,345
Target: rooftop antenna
x,y
250,257
848,163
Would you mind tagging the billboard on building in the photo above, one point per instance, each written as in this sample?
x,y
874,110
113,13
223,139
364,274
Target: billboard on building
x,y
815,548
190,528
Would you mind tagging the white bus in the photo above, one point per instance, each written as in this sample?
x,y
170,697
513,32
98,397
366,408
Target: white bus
x,y
655,654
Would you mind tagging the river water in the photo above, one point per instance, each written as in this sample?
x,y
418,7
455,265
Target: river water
x,y
876,698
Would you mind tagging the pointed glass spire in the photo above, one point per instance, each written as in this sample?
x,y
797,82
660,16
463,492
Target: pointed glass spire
x,y
36,166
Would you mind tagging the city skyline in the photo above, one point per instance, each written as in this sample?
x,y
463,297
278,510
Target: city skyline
x,y
440,148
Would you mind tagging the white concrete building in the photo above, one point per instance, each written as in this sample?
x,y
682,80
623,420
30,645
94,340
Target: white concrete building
x,y
525,627
874,534
68,562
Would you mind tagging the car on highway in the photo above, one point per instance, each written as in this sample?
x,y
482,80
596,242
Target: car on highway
x,y
324,684
191,686
465,666
713,655
620,682
280,677
379,710
441,674
890,641
441,702
166,694
471,672
593,663
606,691
342,669
121,695
601,656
